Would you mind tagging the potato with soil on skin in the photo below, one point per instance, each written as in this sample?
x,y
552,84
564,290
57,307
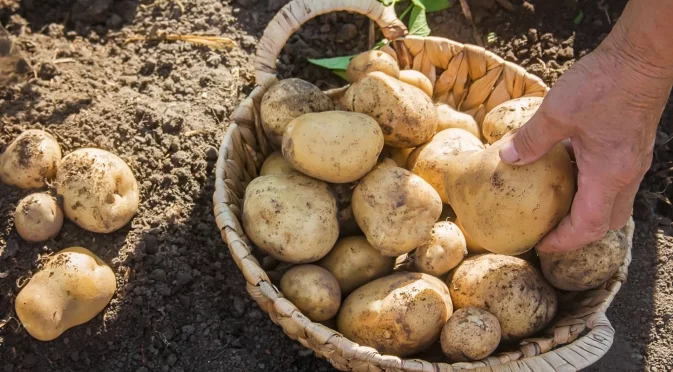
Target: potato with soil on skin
x,y
38,217
400,314
508,116
405,113
288,99
333,146
417,79
100,192
430,160
370,61
450,118
71,289
587,267
508,287
291,217
275,163
354,262
384,203
30,160
505,208
470,334
313,290
445,250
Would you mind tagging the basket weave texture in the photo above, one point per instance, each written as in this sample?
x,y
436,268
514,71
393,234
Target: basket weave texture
x,y
469,79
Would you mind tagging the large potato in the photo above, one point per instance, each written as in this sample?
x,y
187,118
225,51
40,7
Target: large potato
x,y
38,217
275,163
509,288
100,192
470,334
405,113
395,209
286,100
333,146
370,61
504,208
290,216
313,290
354,262
400,314
507,116
443,252
587,267
71,289
417,79
30,160
450,118
430,161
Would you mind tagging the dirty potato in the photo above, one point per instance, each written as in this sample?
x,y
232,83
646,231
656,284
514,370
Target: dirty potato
x,y
313,290
443,252
30,161
507,116
450,118
370,61
470,334
275,163
38,217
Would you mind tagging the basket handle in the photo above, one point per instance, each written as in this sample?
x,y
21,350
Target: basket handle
x,y
297,12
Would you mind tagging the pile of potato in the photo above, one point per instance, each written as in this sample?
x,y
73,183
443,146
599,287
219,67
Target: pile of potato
x,y
399,223
98,192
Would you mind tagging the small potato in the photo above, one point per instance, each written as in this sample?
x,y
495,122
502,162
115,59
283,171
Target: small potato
x,y
508,116
38,218
100,192
417,79
400,314
313,290
333,146
443,252
286,100
354,262
384,203
587,267
370,61
450,118
71,289
291,217
470,334
275,163
30,160
430,160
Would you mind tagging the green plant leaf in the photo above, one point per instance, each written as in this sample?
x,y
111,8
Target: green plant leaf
x,y
579,18
418,23
340,73
435,5
334,63
406,11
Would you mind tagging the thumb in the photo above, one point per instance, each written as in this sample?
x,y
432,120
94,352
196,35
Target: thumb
x,y
530,142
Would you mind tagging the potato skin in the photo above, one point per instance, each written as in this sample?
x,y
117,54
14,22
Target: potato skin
x,y
354,262
431,160
470,334
370,61
472,246
509,288
507,116
587,267
275,163
417,79
400,314
291,217
286,100
384,202
71,289
443,252
313,290
38,217
30,160
405,113
450,118
333,146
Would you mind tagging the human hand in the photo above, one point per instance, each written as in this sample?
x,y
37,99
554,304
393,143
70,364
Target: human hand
x,y
608,106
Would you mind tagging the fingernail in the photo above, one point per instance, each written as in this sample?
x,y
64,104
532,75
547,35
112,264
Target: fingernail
x,y
508,153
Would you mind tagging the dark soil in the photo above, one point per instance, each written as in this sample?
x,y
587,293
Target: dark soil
x,y
181,303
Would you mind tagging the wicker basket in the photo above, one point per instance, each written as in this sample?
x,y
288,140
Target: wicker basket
x,y
468,78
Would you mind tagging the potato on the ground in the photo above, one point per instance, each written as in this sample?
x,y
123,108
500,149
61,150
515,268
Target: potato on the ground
x,y
508,287
333,146
400,314
450,118
354,262
71,289
405,113
472,246
395,209
38,217
313,290
470,334
396,154
587,267
370,61
508,116
430,161
286,100
417,79
100,192
291,217
443,252
505,208
30,161
275,163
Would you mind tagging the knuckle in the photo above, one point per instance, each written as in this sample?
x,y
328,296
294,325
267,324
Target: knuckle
x,y
595,229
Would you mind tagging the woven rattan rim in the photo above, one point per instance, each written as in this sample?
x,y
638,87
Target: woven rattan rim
x,y
468,78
